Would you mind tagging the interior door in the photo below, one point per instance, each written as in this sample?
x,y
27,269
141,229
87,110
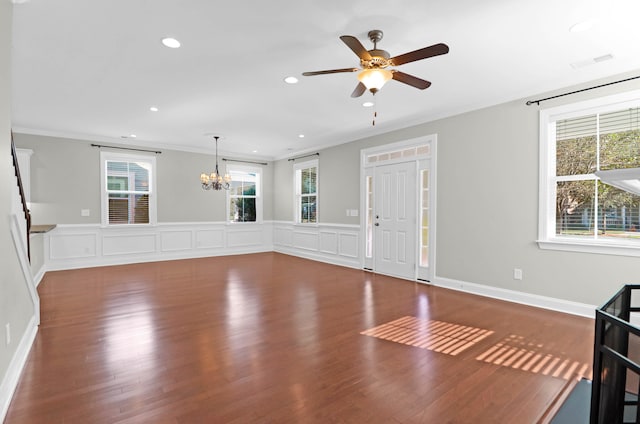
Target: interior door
x,y
395,220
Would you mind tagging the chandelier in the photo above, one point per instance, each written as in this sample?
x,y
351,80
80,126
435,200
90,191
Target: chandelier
x,y
215,181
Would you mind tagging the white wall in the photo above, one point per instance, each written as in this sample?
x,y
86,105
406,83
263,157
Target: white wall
x,y
16,306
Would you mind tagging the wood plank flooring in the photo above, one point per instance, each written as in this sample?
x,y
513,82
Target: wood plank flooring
x,y
270,338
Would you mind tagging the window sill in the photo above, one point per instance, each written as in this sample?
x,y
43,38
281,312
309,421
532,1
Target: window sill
x,y
602,247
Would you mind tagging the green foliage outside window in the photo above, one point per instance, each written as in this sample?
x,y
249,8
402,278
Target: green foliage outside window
x,y
582,199
243,197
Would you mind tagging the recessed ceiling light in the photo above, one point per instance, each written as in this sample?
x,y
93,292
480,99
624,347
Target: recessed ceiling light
x,y
153,109
300,135
132,135
291,80
171,42
255,151
582,26
367,104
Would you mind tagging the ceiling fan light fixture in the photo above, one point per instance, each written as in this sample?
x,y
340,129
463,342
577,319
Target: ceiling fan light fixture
x,y
374,79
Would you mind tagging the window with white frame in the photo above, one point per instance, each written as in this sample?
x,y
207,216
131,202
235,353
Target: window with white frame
x,y
306,192
244,201
127,192
581,143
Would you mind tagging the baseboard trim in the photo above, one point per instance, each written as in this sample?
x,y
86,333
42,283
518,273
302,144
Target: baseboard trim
x,y
554,304
10,382
39,275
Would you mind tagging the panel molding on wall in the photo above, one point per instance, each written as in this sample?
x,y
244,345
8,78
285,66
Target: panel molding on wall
x,y
80,246
333,243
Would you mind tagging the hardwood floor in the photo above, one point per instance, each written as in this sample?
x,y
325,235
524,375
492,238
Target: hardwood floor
x,y
270,338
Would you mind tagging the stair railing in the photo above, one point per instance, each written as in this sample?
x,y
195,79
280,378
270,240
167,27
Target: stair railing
x,y
616,368
25,208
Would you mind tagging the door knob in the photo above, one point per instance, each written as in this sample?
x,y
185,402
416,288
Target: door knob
x,y
377,224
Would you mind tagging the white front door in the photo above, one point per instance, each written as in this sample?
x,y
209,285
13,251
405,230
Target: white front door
x,y
395,220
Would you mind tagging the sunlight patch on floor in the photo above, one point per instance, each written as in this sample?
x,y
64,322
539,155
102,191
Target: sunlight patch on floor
x,y
438,336
518,353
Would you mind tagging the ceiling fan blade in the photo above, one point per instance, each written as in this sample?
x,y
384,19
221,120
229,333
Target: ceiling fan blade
x,y
354,44
411,80
330,71
359,91
435,50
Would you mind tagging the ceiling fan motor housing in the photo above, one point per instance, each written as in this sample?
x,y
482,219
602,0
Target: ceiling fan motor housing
x,y
379,59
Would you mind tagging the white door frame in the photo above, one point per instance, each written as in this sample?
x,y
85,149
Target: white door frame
x,y
422,160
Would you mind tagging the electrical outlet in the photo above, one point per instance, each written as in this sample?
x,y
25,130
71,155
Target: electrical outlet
x,y
517,274
7,334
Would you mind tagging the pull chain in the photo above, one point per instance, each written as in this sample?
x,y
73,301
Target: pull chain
x,y
375,110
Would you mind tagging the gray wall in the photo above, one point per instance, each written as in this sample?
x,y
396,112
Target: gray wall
x,y
65,178
16,307
338,185
487,207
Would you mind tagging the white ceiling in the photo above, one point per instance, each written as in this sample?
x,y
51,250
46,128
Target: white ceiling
x,y
91,69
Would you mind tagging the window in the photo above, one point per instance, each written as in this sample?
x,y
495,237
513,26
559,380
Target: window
x,y
582,145
127,189
306,192
243,201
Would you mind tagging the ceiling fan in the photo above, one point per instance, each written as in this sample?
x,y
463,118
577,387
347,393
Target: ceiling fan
x,y
374,73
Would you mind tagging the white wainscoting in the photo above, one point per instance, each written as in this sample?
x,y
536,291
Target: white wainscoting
x,y
333,243
80,246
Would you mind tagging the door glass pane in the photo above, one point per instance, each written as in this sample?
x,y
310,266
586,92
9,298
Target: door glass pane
x,y
424,218
369,217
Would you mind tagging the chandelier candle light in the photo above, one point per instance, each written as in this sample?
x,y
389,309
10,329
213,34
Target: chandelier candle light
x,y
215,181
